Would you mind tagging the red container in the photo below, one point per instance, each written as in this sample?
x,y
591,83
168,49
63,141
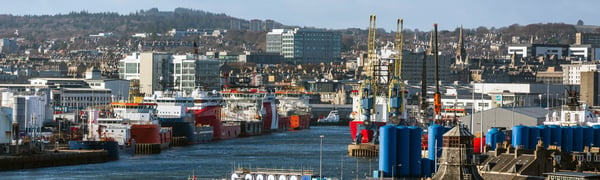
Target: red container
x,y
477,143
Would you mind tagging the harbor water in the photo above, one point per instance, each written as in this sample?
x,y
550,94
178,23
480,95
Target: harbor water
x,y
216,160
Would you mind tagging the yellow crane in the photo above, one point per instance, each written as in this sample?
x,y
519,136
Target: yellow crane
x,y
369,84
396,86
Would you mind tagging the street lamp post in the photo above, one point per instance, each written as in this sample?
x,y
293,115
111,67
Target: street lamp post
x,y
472,108
321,159
540,96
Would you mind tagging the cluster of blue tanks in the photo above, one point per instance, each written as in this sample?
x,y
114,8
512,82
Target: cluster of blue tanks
x,y
568,138
493,137
400,151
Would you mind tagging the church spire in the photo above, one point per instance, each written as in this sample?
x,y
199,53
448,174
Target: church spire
x,y
430,51
460,50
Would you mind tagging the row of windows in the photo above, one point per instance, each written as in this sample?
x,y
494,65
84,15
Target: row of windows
x,y
111,130
85,98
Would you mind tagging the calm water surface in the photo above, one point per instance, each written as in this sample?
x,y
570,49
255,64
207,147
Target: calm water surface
x,y
292,149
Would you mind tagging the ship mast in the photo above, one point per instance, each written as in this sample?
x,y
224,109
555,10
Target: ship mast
x,y
437,96
423,97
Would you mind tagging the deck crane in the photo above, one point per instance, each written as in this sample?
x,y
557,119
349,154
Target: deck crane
x,y
396,87
368,87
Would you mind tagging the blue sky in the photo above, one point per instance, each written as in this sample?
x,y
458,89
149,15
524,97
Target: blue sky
x,y
336,14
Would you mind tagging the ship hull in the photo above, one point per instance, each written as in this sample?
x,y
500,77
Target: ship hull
x,y
229,131
112,147
150,138
186,133
211,116
298,122
367,134
250,128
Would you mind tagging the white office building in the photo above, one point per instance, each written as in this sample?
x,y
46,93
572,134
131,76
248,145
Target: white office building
x,y
572,72
165,71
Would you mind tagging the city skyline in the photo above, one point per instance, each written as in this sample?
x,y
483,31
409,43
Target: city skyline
x,y
340,14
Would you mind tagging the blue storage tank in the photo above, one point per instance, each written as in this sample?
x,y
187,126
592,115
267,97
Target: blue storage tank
x,y
387,149
415,151
403,156
489,138
426,168
555,135
435,133
493,137
545,134
534,136
577,138
520,137
567,138
596,135
588,136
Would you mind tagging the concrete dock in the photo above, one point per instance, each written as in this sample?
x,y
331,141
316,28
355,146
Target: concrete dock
x,y
52,158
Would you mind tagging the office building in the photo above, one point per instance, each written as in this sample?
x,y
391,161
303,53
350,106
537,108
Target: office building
x,y
305,45
535,50
572,72
164,71
8,45
589,88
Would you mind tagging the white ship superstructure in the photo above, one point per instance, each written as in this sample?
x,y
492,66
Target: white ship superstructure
x,y
573,117
292,102
170,104
115,124
572,114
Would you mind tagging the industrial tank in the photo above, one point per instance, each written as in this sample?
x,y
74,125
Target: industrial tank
x,y
588,136
435,133
494,136
567,138
577,138
403,156
534,136
387,149
520,136
415,151
545,135
596,135
426,168
555,135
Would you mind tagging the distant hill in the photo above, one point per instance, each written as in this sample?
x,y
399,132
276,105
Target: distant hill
x,y
84,23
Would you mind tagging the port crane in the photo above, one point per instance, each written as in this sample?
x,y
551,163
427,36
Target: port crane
x,y
369,86
396,90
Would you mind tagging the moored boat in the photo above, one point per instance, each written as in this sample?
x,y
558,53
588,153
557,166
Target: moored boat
x,y
251,108
207,112
172,111
131,125
294,109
